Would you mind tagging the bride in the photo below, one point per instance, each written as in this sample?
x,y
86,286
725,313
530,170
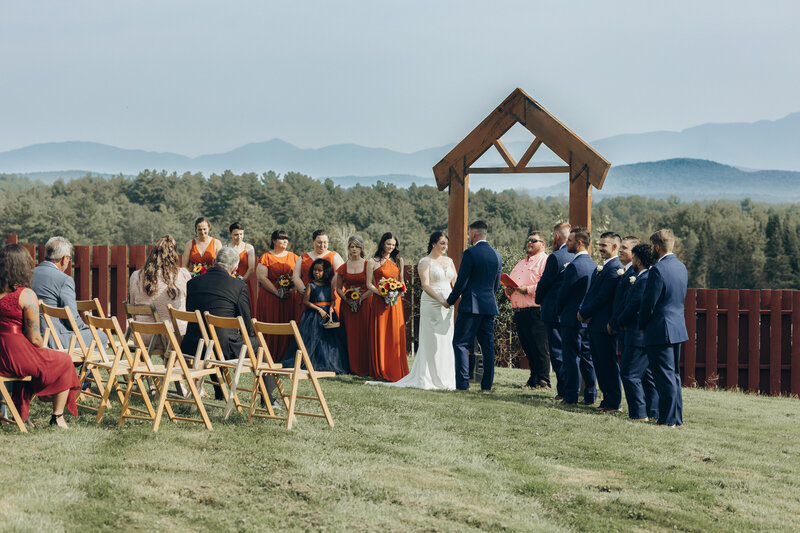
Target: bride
x,y
434,366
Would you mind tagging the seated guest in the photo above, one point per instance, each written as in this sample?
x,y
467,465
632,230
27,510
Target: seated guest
x,y
221,294
56,289
161,282
53,378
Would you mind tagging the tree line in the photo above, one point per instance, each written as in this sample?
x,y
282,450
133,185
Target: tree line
x,y
724,244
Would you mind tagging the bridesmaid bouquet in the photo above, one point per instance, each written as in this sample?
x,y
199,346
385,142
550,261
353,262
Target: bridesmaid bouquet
x,y
353,297
390,289
198,269
284,286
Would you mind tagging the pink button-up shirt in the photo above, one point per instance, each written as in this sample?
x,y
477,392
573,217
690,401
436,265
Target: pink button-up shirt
x,y
527,273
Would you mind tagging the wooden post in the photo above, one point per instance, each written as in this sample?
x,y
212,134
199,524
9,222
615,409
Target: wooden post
x,y
775,306
580,197
457,218
732,356
690,346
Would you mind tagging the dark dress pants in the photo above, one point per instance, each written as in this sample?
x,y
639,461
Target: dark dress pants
x,y
533,338
556,356
467,327
604,356
663,361
577,364
637,380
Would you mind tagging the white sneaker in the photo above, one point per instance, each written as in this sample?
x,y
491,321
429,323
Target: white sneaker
x,y
277,405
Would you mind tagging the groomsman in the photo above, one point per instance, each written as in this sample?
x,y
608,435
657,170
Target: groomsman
x,y
547,297
596,312
577,359
626,258
661,317
637,380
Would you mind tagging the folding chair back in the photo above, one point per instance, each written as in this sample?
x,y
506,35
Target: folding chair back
x,y
176,369
77,348
11,414
93,306
147,310
295,374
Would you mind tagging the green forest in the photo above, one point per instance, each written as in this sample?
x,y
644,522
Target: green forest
x,y
724,244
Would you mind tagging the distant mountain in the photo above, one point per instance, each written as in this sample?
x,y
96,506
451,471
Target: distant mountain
x,y
691,179
769,144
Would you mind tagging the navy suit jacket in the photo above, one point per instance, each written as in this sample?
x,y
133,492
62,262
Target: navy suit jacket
x,y
550,283
478,280
661,315
628,315
623,286
600,297
573,289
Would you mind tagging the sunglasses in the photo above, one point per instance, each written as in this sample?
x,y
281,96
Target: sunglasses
x,y
534,240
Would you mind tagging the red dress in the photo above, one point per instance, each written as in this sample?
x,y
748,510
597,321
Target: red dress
x,y
356,325
305,266
273,309
241,270
51,371
387,332
206,259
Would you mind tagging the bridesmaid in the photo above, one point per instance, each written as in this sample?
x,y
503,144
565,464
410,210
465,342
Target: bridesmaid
x,y
351,274
303,265
387,332
274,305
247,261
203,249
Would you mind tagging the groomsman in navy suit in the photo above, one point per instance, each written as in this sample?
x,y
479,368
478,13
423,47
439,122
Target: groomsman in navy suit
x,y
637,380
595,311
547,297
661,317
477,283
577,359
626,258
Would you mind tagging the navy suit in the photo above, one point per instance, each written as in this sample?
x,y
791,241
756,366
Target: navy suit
x,y
597,306
637,380
661,317
547,297
577,358
477,283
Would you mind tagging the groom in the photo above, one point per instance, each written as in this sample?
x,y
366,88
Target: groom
x,y
477,283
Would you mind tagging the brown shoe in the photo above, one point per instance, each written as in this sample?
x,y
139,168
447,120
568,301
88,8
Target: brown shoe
x,y
558,398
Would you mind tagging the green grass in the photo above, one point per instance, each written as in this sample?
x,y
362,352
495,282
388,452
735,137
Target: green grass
x,y
400,460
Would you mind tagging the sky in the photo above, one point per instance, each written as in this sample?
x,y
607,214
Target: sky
x,y
197,77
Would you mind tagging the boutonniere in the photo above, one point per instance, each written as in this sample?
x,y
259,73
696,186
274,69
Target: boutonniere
x,y
566,264
632,279
620,271
599,268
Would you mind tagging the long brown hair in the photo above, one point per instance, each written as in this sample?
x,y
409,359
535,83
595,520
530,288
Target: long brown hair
x,y
16,267
161,263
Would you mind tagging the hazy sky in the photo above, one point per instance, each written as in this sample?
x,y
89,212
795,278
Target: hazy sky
x,y
199,77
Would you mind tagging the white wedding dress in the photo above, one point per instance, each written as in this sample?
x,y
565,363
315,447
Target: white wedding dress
x,y
434,366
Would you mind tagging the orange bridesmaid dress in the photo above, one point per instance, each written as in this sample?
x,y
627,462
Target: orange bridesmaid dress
x,y
241,270
206,259
387,332
305,276
273,309
356,325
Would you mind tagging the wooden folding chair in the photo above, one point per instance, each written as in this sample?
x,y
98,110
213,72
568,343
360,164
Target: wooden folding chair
x,y
163,376
93,306
118,364
146,310
5,400
246,362
296,374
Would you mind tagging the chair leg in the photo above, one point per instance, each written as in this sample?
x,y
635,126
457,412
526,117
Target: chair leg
x,y
12,409
200,407
321,399
126,401
234,386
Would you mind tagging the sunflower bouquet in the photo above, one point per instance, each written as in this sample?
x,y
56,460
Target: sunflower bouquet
x,y
198,269
353,297
284,286
390,289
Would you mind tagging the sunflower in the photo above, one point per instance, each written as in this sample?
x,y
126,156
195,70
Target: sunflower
x,y
285,283
355,295
383,291
197,268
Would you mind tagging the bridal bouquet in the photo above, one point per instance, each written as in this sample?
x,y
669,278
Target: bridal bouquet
x,y
353,297
284,286
390,289
198,269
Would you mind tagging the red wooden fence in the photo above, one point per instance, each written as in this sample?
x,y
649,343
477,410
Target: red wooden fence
x,y
738,338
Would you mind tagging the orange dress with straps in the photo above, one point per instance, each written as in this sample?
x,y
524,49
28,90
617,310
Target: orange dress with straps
x,y
356,325
305,276
387,333
206,259
273,309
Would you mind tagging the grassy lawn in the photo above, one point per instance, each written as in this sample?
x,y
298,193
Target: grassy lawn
x,y
400,460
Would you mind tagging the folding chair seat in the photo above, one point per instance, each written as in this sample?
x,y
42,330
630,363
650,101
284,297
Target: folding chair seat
x,y
175,369
11,414
294,374
246,362
115,359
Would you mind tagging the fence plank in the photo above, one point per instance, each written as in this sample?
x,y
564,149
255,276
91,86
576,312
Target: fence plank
x,y
753,306
775,342
100,276
118,278
711,376
732,355
796,342
83,268
690,346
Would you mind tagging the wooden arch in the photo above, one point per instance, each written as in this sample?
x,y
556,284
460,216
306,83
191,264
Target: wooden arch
x,y
586,167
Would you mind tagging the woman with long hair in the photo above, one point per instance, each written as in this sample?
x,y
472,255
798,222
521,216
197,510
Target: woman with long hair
x,y
387,334
351,286
53,376
301,274
202,249
277,299
161,281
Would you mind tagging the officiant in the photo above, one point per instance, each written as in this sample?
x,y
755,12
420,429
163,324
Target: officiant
x,y
527,313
